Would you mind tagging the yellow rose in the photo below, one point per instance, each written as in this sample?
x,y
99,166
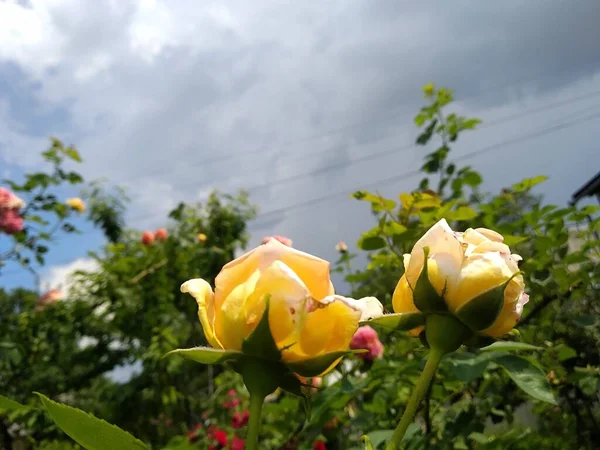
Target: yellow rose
x,y
469,271
306,318
202,237
77,204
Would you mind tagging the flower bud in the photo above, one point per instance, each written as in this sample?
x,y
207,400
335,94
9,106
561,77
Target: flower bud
x,y
472,276
76,204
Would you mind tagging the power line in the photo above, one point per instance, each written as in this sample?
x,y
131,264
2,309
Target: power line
x,y
410,146
404,175
417,171
394,114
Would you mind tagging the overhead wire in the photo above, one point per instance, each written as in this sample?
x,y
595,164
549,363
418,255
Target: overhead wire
x,y
394,114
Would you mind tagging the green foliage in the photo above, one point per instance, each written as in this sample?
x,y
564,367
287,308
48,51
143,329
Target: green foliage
x,y
538,393
45,212
560,250
87,430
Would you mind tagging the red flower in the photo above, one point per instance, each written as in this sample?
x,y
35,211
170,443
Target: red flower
x,y
239,419
221,437
319,445
161,234
367,338
237,444
231,403
147,238
291,445
193,433
332,423
231,393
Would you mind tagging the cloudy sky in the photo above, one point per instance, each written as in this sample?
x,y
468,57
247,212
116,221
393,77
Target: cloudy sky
x,y
302,102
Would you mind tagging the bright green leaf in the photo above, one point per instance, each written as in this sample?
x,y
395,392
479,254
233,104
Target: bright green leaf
x,y
462,213
316,366
514,240
7,404
88,431
399,321
206,355
504,346
73,154
393,228
528,183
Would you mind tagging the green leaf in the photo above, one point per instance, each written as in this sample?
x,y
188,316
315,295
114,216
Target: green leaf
x,y
398,321
462,213
482,311
314,367
260,343
565,352
528,183
505,346
468,367
473,179
7,404
88,431
584,320
514,240
376,438
393,228
367,441
530,378
290,383
369,243
425,296
73,154
207,355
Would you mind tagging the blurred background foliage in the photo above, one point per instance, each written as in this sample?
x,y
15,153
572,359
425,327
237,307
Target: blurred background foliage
x,y
129,313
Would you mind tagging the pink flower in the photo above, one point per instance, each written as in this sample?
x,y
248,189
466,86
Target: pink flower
x,y
366,338
11,221
48,298
239,419
282,239
237,444
9,200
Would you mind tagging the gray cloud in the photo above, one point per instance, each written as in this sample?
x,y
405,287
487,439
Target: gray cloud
x,y
173,100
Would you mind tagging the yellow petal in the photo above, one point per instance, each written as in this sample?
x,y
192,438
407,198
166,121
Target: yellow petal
x,y
288,297
202,292
444,247
480,273
402,301
313,271
490,234
510,315
329,328
233,274
231,324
